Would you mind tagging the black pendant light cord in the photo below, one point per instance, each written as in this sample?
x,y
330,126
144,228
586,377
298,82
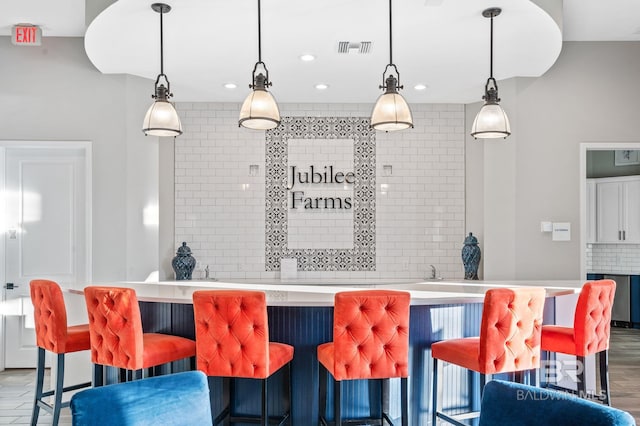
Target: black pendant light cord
x,y
396,83
390,35
162,8
260,81
161,46
491,51
259,34
491,88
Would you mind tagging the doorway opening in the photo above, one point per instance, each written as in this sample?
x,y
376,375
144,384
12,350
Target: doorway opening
x,y
45,222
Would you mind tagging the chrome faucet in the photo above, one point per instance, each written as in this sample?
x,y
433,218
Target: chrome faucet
x,y
206,272
434,272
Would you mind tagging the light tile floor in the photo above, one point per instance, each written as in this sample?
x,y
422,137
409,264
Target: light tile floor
x,y
16,399
16,386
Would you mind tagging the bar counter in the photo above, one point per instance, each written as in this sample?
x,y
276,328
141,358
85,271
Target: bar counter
x,y
301,314
316,292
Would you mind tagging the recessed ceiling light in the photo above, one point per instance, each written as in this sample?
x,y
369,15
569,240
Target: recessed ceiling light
x,y
322,86
420,87
230,85
307,57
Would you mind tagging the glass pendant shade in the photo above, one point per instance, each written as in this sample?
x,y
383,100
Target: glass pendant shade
x,y
491,122
259,111
391,112
162,120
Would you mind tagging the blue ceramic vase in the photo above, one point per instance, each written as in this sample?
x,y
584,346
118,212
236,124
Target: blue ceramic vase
x,y
183,263
471,257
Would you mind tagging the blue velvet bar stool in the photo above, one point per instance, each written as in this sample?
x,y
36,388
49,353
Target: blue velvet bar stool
x,y
180,399
509,404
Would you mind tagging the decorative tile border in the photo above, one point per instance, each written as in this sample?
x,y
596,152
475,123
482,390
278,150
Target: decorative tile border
x,y
362,257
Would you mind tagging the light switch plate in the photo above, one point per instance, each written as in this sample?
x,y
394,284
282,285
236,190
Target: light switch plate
x,y
561,231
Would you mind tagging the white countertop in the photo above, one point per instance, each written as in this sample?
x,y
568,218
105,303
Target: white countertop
x,y
316,292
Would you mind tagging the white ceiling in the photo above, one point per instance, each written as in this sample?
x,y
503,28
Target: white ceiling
x,y
443,44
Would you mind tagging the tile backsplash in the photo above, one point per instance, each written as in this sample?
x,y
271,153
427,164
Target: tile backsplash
x,y
420,195
613,258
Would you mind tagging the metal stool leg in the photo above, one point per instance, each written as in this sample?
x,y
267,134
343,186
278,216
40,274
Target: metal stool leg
x,y
582,385
39,386
337,399
289,393
57,405
322,393
404,384
603,357
265,404
436,392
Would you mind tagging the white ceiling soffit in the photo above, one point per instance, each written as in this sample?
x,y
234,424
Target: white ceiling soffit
x,y
443,45
58,18
592,20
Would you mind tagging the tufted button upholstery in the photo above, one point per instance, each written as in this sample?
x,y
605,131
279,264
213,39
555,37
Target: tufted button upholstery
x,y
370,341
509,334
509,341
232,335
232,340
117,338
53,335
50,316
591,324
370,336
589,334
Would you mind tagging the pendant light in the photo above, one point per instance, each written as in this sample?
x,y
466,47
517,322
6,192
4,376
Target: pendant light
x,y
259,110
162,118
391,112
491,121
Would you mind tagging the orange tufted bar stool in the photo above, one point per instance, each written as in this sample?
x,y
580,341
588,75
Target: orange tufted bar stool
x,y
509,342
117,339
370,341
53,335
232,341
589,335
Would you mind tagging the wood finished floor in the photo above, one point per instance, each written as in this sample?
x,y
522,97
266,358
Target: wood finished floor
x,y
16,386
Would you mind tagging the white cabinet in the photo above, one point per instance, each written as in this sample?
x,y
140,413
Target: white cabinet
x,y
618,210
591,210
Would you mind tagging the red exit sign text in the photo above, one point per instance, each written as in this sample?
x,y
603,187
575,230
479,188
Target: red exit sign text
x,y
26,35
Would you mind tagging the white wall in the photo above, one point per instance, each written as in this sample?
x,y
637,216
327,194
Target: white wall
x,y
590,95
53,92
220,209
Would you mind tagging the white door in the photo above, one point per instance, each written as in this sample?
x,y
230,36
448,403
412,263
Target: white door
x,y
46,217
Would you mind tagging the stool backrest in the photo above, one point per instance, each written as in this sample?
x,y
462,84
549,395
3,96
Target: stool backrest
x,y
371,334
50,315
511,328
115,327
232,333
169,400
592,320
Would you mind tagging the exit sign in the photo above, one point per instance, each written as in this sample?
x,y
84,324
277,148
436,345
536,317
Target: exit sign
x,y
26,35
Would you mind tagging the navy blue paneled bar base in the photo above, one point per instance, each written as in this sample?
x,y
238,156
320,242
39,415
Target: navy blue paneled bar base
x,y
305,327
301,314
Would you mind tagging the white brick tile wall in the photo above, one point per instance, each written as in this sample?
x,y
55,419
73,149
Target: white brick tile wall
x,y
613,258
420,206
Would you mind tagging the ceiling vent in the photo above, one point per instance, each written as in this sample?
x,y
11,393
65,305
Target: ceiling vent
x,y
363,47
